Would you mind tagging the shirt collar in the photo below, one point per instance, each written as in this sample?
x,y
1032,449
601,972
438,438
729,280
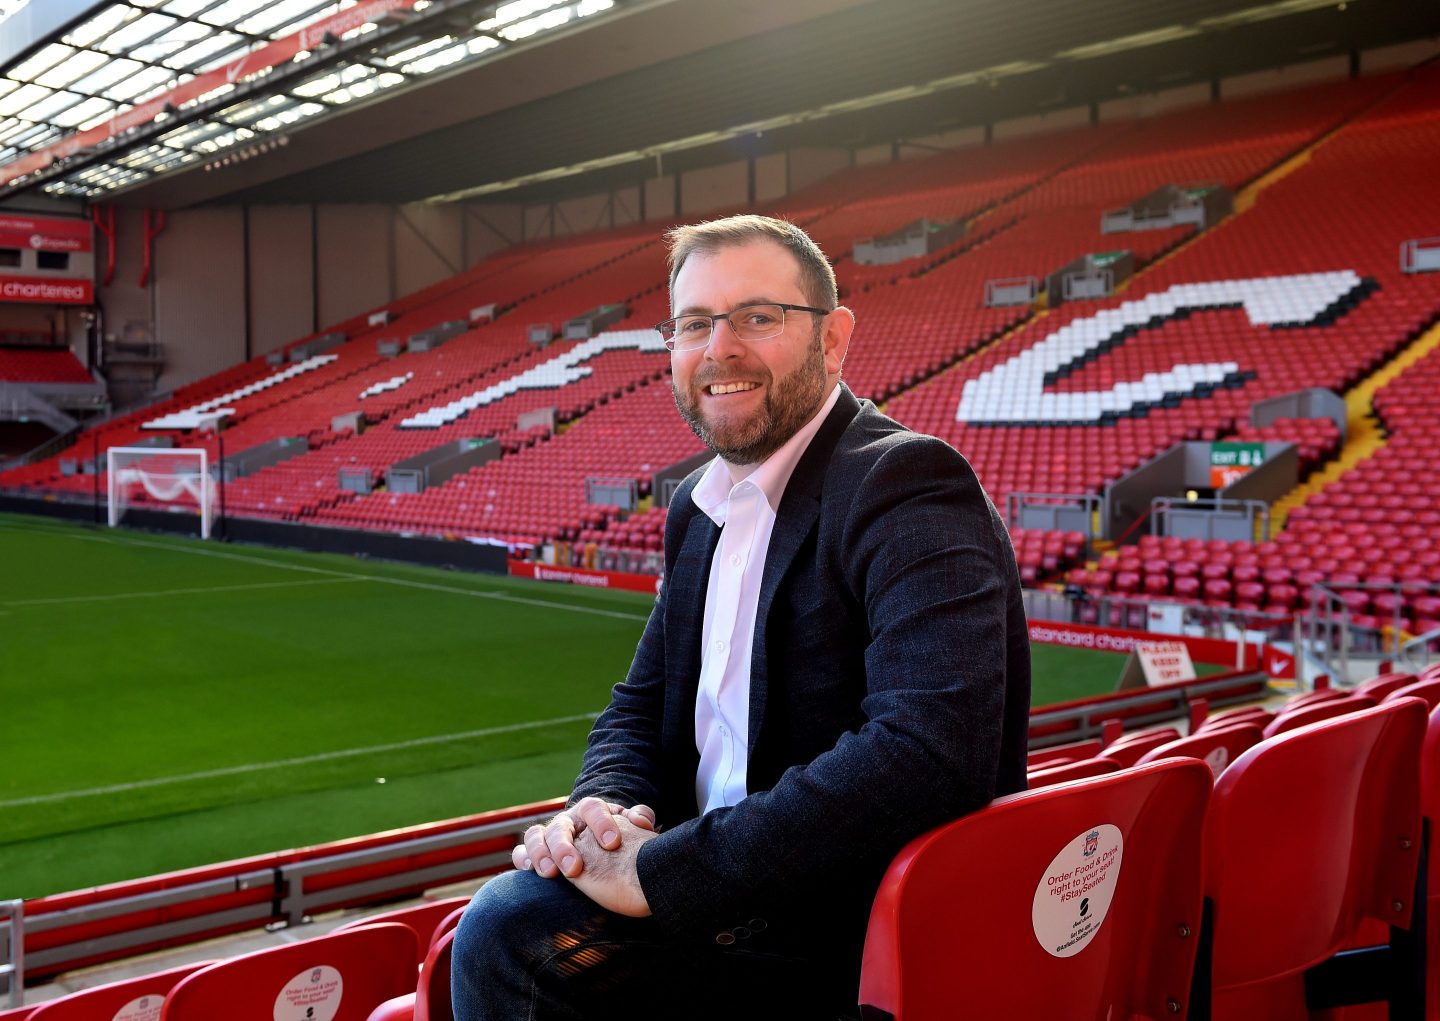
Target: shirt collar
x,y
712,493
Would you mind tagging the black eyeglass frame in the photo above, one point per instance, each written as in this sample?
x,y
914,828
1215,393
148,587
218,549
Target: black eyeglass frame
x,y
784,307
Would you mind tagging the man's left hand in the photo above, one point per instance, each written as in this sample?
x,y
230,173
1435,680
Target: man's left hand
x,y
610,877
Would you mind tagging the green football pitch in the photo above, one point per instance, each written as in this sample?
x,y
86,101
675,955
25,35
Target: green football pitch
x,y
170,702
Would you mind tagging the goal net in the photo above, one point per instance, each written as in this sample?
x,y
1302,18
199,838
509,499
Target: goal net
x,y
156,478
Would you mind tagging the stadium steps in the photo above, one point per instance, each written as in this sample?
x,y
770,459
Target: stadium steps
x,y
1364,435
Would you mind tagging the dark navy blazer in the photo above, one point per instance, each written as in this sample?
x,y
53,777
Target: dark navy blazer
x,y
889,691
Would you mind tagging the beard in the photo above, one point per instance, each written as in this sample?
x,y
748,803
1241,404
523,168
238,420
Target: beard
x,y
789,404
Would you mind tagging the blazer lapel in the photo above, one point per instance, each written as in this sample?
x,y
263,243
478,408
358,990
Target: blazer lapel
x,y
684,623
799,510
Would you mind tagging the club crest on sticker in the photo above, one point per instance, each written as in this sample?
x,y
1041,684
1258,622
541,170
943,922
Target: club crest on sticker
x,y
312,995
1075,891
143,1008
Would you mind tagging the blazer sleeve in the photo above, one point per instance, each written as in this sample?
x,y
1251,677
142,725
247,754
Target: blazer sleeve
x,y
923,550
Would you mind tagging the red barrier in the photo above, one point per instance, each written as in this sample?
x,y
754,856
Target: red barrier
x,y
583,576
1105,639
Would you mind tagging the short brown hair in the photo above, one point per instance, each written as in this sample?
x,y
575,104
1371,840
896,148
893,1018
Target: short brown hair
x,y
817,279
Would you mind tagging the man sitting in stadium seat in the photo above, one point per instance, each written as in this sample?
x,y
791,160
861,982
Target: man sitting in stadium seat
x,y
837,661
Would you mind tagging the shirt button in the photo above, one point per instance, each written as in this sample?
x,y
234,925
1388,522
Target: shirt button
x,y
734,559
720,645
723,731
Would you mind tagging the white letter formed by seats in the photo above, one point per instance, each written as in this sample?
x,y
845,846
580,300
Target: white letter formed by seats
x,y
1014,393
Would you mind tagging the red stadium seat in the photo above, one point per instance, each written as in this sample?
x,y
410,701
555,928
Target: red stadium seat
x,y
1042,758
1313,698
1128,749
1338,802
1427,691
1065,772
20,1013
360,968
1217,747
431,999
1133,955
102,1003
1245,714
1379,687
1315,712
1430,808
422,919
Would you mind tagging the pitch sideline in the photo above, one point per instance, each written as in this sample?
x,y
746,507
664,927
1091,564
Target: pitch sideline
x,y
303,760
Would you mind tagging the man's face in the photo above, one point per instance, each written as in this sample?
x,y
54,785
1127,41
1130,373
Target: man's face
x,y
744,400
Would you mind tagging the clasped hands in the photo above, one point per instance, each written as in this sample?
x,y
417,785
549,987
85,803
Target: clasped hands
x,y
593,844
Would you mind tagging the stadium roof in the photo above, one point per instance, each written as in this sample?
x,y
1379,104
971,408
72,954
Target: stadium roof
x,y
221,78
175,102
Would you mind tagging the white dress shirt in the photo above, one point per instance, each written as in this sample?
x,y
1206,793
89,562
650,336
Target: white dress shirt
x,y
745,511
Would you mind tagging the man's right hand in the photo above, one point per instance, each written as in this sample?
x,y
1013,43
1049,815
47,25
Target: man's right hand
x,y
549,850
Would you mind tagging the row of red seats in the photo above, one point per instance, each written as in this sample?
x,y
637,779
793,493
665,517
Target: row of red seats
x,y
41,365
1204,928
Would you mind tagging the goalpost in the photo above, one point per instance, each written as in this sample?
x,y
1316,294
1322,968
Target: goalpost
x,y
173,479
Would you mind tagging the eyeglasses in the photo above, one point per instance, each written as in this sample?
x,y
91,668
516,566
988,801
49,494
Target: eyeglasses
x,y
750,323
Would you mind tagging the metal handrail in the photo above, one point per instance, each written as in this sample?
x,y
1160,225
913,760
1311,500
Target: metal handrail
x,y
283,895
14,944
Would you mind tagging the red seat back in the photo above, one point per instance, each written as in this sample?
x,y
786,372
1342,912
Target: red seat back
x,y
447,923
341,977
20,1013
1245,714
1094,895
424,919
432,996
1381,685
1336,802
1430,809
1128,749
1216,747
103,1003
1427,691
1067,771
1315,712
1315,697
1043,758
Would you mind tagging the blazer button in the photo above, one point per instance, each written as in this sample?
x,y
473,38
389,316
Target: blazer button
x,y
758,925
725,938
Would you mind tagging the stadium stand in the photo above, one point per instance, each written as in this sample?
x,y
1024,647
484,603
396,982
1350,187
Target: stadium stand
x,y
40,365
486,353
1048,192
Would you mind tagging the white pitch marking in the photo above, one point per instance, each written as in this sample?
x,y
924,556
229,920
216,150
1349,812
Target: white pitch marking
x,y
161,593
257,767
403,583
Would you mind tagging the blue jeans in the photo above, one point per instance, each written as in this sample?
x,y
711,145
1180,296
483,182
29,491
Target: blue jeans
x,y
532,949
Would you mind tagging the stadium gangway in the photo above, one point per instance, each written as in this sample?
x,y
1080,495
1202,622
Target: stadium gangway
x,y
1053,512
1415,654
12,943
1329,630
